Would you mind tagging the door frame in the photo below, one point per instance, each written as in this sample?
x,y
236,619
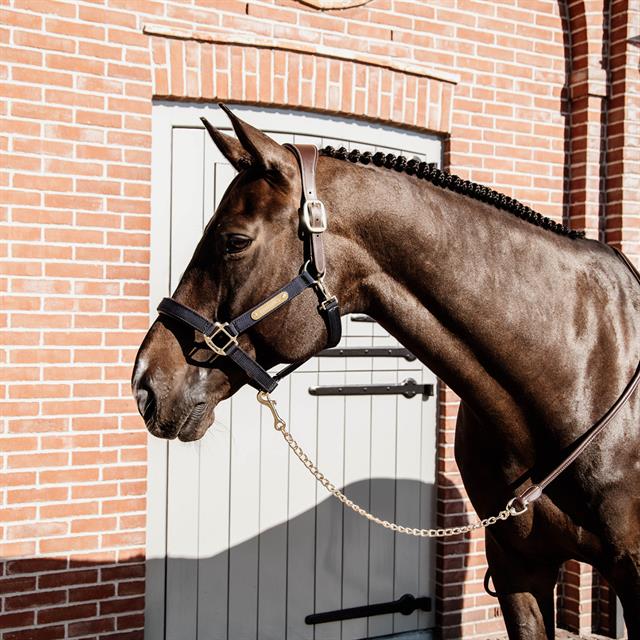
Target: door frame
x,y
167,115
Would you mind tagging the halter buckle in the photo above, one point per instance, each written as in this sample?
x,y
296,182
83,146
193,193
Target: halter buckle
x,y
220,328
326,303
321,224
328,298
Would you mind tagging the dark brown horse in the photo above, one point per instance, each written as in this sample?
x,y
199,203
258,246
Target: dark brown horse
x,y
536,330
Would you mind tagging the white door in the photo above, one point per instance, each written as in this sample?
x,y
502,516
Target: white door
x,y
243,543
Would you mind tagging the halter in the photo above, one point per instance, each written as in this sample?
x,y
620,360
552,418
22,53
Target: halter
x,y
222,337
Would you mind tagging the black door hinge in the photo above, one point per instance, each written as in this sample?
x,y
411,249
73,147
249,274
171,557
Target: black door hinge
x,y
405,605
408,388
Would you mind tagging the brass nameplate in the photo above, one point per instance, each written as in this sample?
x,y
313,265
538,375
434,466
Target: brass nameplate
x,y
269,306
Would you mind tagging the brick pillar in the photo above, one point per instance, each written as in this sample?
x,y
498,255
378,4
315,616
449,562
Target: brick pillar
x,y
575,597
463,608
587,90
623,134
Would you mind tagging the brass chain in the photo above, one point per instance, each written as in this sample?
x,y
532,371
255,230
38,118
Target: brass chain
x,y
280,425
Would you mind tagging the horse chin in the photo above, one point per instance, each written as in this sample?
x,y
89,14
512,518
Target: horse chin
x,y
191,427
192,434
196,423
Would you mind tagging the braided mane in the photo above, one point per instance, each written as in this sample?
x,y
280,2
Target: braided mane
x,y
429,171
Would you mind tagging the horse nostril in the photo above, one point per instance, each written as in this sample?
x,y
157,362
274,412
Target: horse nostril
x,y
146,400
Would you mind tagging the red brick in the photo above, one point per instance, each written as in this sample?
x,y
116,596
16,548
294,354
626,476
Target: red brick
x,y
86,525
95,592
55,632
68,543
100,625
99,490
34,460
121,605
102,51
69,475
19,585
38,425
79,30
48,78
18,619
20,19
49,494
38,599
131,587
19,478
73,612
102,16
69,510
40,216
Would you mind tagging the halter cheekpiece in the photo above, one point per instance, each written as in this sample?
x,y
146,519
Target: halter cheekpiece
x,y
222,337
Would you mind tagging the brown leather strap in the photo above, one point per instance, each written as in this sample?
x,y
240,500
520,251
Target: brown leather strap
x,y
307,155
307,158
532,493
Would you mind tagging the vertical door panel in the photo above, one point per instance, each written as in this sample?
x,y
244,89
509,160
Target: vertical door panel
x,y
383,468
427,507
254,544
301,538
330,458
274,481
244,518
213,527
407,502
215,457
183,460
357,471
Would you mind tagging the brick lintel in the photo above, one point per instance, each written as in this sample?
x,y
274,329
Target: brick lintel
x,y
261,42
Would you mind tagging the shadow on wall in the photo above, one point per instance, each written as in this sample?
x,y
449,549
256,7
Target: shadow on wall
x,y
323,559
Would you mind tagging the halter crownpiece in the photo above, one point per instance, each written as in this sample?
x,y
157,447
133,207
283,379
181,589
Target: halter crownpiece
x,y
222,337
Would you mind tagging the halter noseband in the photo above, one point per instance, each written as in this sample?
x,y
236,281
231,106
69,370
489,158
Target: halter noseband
x,y
222,337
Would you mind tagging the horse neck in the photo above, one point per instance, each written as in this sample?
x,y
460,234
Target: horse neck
x,y
470,289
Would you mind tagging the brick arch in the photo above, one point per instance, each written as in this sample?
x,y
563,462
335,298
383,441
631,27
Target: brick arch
x,y
206,66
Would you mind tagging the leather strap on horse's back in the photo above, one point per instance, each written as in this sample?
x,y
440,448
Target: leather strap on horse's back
x,y
533,492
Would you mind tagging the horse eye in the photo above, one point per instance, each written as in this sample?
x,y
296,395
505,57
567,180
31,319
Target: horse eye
x,y
235,242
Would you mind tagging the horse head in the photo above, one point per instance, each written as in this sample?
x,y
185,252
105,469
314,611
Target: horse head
x,y
249,249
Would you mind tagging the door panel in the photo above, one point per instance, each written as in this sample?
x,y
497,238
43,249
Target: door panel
x,y
253,543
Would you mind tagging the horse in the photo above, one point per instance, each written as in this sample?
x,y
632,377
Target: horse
x,y
535,327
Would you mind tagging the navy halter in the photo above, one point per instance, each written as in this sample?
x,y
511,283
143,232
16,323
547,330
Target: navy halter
x,y
222,337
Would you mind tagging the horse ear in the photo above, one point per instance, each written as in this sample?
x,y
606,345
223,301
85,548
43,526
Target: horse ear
x,y
230,148
265,152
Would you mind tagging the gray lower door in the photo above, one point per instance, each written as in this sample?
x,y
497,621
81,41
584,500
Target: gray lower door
x,y
244,544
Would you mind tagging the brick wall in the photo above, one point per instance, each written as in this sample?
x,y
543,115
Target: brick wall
x,y
75,175
77,80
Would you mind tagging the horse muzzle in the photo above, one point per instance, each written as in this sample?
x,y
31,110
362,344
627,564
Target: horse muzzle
x,y
184,413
